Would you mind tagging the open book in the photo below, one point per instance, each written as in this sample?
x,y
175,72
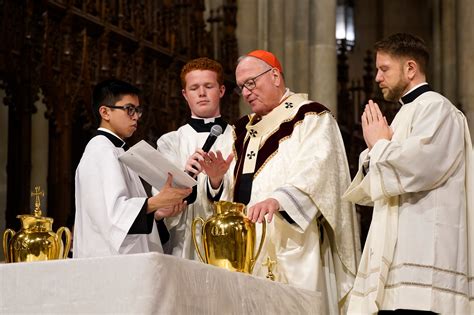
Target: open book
x,y
153,167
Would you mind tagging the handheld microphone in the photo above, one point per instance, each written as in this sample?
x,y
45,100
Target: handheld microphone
x,y
215,132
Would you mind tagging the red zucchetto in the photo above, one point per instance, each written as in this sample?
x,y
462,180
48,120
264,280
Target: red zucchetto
x,y
268,57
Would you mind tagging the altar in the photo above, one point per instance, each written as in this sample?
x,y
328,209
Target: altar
x,y
149,283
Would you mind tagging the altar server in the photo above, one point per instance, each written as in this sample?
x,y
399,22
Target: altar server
x,y
417,173
202,81
113,214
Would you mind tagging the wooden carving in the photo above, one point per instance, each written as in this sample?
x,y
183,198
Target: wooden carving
x,y
65,47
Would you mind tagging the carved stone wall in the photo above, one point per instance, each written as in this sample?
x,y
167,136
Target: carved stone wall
x,y
65,47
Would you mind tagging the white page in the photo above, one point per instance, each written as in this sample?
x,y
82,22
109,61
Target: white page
x,y
153,167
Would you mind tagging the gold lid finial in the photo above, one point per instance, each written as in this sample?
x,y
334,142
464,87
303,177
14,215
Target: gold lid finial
x,y
37,194
270,264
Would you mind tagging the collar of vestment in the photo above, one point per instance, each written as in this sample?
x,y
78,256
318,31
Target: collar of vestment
x,y
259,128
119,143
412,95
200,125
257,138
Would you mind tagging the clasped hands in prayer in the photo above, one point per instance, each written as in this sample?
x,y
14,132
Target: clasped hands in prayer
x,y
374,125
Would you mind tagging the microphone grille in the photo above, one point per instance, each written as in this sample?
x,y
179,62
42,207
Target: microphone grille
x,y
216,130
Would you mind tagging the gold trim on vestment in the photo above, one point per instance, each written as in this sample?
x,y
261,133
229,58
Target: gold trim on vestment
x,y
423,285
413,284
375,270
398,284
429,267
283,139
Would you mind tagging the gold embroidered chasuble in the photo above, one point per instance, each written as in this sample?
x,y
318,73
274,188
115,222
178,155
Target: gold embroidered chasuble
x,y
295,154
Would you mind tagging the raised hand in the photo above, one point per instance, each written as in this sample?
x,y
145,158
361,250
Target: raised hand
x,y
215,166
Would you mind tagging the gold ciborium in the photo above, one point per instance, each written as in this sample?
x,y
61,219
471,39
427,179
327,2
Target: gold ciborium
x,y
35,241
228,238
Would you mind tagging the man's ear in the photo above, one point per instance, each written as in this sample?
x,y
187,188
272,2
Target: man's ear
x,y
411,68
183,91
104,113
276,75
221,90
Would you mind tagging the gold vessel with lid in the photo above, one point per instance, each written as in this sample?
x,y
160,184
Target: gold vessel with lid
x,y
35,240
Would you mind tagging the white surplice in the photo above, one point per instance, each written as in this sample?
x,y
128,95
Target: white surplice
x,y
417,254
307,172
177,146
109,197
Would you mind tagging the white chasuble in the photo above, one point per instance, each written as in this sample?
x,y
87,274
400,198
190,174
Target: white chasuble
x,y
417,254
109,197
177,146
295,154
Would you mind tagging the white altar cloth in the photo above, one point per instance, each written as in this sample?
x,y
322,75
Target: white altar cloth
x,y
143,284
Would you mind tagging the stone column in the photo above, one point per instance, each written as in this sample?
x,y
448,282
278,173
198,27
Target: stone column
x,y
300,79
436,57
465,53
262,25
276,29
289,46
247,34
448,49
323,57
302,35
247,25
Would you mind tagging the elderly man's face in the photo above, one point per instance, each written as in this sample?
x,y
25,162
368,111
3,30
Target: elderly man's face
x,y
266,95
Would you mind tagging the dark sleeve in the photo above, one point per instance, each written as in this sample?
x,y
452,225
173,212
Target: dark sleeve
x,y
143,223
217,197
287,217
163,231
191,198
365,168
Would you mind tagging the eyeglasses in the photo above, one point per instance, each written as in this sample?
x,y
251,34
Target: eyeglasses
x,y
250,84
131,109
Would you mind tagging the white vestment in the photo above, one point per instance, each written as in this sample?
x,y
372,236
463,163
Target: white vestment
x,y
177,146
297,156
417,254
109,197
